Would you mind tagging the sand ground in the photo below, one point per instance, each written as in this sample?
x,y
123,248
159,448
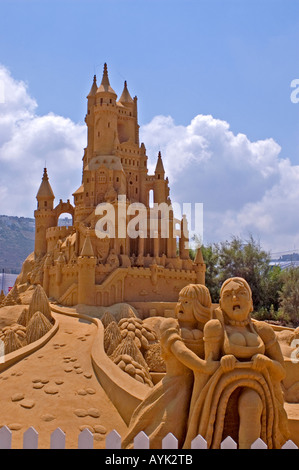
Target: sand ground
x,y
56,387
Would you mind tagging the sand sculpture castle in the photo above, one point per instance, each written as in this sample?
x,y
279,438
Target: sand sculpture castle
x,y
153,354
77,266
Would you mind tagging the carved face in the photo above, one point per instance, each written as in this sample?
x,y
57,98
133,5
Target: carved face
x,y
236,301
185,310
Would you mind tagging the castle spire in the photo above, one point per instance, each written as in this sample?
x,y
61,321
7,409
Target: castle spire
x,y
159,167
125,96
94,87
45,191
105,84
87,250
198,257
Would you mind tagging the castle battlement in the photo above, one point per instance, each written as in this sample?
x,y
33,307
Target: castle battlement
x,y
59,232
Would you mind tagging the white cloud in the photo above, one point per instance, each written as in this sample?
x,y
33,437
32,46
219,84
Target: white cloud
x,y
27,142
246,187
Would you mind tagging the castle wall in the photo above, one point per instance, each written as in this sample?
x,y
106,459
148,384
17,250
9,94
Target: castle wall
x,y
53,234
155,284
60,279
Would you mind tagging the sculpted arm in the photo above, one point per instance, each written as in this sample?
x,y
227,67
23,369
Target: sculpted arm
x,y
213,338
191,360
275,362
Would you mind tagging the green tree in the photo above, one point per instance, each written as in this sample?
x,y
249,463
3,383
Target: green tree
x,y
289,294
246,259
211,257
271,286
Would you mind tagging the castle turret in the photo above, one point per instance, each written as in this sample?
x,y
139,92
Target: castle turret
x,y
200,267
105,92
94,88
160,184
126,98
86,275
45,196
127,120
45,215
89,119
184,239
105,117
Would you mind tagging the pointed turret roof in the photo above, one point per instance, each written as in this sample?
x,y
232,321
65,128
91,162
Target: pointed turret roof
x,y
159,166
198,257
45,190
125,96
105,84
87,249
94,87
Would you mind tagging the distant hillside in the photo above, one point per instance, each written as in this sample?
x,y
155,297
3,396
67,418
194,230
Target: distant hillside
x,y
17,241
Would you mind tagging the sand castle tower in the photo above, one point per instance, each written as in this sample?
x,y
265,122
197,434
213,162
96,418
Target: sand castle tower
x,y
44,215
147,270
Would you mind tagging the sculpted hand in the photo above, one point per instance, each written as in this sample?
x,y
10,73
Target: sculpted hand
x,y
260,362
211,365
228,362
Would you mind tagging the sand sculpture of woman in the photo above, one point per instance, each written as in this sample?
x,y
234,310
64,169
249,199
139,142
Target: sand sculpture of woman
x,y
166,407
243,398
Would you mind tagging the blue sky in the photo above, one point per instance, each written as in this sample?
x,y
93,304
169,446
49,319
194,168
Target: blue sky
x,y
233,60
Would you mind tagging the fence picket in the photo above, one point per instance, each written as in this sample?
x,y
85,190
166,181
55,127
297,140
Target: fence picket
x,y
228,443
85,439
259,444
169,442
30,439
199,443
289,445
5,438
57,439
113,440
141,441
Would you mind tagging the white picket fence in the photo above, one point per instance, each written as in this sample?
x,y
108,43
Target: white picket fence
x,y
113,441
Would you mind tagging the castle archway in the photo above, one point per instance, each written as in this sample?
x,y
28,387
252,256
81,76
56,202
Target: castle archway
x,y
65,219
64,209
